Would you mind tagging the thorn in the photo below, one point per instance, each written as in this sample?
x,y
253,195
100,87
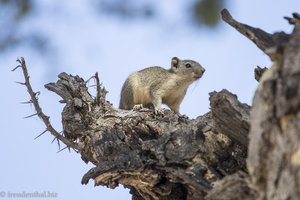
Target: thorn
x,y
26,102
89,79
53,140
30,116
20,83
41,134
58,143
16,68
62,149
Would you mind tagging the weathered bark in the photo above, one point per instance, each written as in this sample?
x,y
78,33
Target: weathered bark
x,y
273,154
233,187
274,151
230,116
169,156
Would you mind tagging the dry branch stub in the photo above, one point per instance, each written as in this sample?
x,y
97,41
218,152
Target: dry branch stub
x,y
230,116
263,40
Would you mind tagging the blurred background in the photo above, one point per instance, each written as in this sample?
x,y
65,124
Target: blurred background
x,y
115,38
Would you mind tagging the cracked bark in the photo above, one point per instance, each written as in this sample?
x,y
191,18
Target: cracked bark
x,y
169,156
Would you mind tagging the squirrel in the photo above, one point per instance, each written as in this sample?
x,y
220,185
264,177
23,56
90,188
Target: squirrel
x,y
156,85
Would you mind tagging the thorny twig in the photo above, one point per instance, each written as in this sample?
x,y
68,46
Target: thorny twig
x,y
39,111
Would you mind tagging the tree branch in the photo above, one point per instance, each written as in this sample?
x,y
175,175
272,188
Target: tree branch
x,y
154,155
262,39
38,109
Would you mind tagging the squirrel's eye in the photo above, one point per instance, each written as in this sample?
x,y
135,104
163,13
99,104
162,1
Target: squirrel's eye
x,y
188,65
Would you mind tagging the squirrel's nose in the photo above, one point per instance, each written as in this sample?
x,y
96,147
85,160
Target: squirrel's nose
x,y
202,70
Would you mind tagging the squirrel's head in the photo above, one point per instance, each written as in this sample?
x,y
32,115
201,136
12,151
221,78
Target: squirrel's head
x,y
189,69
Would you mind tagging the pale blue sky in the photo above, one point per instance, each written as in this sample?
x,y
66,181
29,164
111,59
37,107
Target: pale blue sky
x,y
84,44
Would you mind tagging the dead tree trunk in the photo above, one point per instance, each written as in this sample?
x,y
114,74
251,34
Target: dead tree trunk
x,y
274,150
172,157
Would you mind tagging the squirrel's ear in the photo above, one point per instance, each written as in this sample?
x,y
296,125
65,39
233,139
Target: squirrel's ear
x,y
175,62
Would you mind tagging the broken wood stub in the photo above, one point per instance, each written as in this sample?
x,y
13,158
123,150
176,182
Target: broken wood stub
x,y
230,116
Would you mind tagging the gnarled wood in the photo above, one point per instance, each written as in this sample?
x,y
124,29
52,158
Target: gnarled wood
x,y
230,117
157,156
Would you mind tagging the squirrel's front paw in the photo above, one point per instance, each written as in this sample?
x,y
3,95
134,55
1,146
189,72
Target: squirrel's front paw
x,y
137,107
159,111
